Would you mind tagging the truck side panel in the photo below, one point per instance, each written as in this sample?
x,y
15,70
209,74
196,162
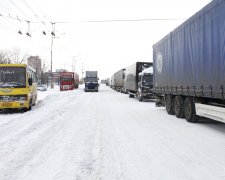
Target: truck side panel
x,y
191,59
131,78
118,78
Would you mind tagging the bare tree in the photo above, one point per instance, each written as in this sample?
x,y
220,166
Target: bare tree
x,y
44,74
44,66
15,56
4,58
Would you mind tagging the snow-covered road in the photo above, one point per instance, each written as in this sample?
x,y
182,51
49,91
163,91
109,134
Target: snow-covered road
x,y
75,135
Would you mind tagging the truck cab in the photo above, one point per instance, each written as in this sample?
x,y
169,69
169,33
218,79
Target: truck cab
x,y
91,81
145,84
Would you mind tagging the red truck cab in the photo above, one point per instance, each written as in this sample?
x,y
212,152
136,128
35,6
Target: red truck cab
x,y
66,81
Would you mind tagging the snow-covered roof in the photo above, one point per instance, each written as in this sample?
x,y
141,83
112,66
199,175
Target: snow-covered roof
x,y
147,71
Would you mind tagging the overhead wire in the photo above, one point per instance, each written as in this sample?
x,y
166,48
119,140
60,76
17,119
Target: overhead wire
x,y
104,21
120,20
6,22
29,21
19,8
31,9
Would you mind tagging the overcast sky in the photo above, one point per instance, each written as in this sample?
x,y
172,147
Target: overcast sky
x,y
106,46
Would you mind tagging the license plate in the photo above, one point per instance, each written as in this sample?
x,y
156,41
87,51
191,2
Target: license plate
x,y
6,104
66,87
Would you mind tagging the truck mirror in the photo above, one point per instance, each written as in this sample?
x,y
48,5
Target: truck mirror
x,y
30,81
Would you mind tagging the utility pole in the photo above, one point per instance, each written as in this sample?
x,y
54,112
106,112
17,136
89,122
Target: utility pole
x,y
51,52
82,71
53,35
73,64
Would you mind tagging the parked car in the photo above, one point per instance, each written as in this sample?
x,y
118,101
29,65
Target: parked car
x,y
42,88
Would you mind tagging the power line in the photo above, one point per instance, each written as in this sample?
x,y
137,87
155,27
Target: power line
x,y
18,8
6,22
120,20
35,14
103,21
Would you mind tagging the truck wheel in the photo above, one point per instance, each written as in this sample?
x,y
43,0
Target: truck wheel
x,y
131,95
178,107
189,110
140,98
169,104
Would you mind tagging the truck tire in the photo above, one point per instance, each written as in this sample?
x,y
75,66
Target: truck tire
x,y
169,104
140,98
189,110
131,96
179,107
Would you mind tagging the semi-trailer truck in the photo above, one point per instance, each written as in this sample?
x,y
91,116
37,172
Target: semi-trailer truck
x,y
137,83
119,77
189,66
66,81
91,81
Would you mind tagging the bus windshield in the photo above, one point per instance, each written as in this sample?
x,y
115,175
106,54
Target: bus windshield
x,y
12,77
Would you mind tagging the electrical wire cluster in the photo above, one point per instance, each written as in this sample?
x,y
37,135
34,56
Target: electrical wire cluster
x,y
8,18
40,20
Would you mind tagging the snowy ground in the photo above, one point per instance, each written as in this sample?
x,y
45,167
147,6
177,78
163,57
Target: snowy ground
x,y
75,135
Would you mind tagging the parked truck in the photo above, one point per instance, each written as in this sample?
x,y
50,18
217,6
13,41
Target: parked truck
x,y
112,82
137,83
91,81
189,66
119,77
66,81
107,81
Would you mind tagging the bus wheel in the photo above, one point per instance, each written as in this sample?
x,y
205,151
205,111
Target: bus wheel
x,y
178,107
169,104
189,110
30,105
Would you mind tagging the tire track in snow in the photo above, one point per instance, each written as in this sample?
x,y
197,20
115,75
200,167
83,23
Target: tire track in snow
x,y
29,141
